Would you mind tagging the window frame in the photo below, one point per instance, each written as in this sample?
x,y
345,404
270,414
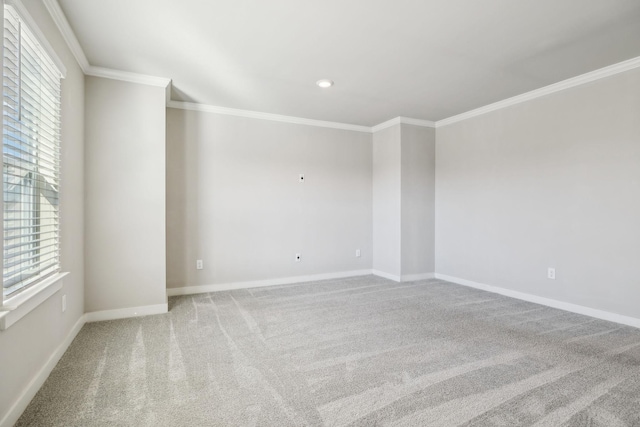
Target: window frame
x,y
20,303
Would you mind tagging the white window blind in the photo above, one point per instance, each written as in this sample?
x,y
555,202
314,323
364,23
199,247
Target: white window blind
x,y
31,158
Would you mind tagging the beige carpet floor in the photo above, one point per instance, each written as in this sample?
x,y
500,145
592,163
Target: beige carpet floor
x,y
363,351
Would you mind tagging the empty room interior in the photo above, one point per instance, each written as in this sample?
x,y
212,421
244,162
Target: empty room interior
x,y
347,213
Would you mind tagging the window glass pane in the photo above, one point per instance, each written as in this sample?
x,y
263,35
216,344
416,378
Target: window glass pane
x,y
31,158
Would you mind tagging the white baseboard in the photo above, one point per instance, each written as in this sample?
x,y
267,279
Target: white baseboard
x,y
405,277
190,290
23,401
123,313
387,275
574,308
414,277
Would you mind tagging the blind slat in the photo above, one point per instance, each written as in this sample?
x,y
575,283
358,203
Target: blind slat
x,y
31,157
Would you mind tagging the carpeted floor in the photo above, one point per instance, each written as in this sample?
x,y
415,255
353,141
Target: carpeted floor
x,y
363,351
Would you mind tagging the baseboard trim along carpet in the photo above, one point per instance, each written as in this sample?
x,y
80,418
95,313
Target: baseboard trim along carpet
x,y
190,290
123,313
574,308
38,380
386,275
404,277
414,277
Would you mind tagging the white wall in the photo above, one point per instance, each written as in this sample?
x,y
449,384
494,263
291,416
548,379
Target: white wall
x,y
27,345
387,218
125,195
553,182
234,200
418,172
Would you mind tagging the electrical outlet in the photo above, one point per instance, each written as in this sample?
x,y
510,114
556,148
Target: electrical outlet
x,y
199,265
551,273
301,177
64,303
358,253
297,257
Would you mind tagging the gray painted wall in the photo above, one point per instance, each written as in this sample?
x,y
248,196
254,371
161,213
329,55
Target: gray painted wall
x,y
404,201
125,195
553,182
27,345
418,171
234,200
387,221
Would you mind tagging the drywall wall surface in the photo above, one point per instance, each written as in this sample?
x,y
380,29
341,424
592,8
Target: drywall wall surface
x,y
235,202
125,195
27,345
387,201
418,173
553,182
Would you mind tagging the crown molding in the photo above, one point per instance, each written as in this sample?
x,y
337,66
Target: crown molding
x,y
67,33
296,120
417,122
546,90
403,120
265,116
385,125
125,76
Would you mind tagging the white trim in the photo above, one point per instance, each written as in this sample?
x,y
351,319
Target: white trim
x,y
190,290
414,277
38,380
556,87
16,307
574,308
125,76
417,122
168,93
35,29
67,33
265,116
124,313
404,120
385,125
386,275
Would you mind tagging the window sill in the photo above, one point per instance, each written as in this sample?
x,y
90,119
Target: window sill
x,y
15,308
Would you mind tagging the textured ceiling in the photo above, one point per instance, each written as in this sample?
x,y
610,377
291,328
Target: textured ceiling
x,y
427,59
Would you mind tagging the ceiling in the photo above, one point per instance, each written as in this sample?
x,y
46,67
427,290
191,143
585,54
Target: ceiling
x,y
424,59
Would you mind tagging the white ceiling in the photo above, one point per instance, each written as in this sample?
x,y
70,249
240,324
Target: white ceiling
x,y
425,59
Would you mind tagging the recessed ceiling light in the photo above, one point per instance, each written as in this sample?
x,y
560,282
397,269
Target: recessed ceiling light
x,y
324,83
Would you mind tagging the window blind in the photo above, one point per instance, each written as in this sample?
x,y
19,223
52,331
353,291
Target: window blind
x,y
31,158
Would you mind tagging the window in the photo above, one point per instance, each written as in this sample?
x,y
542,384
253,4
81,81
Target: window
x,y
31,158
